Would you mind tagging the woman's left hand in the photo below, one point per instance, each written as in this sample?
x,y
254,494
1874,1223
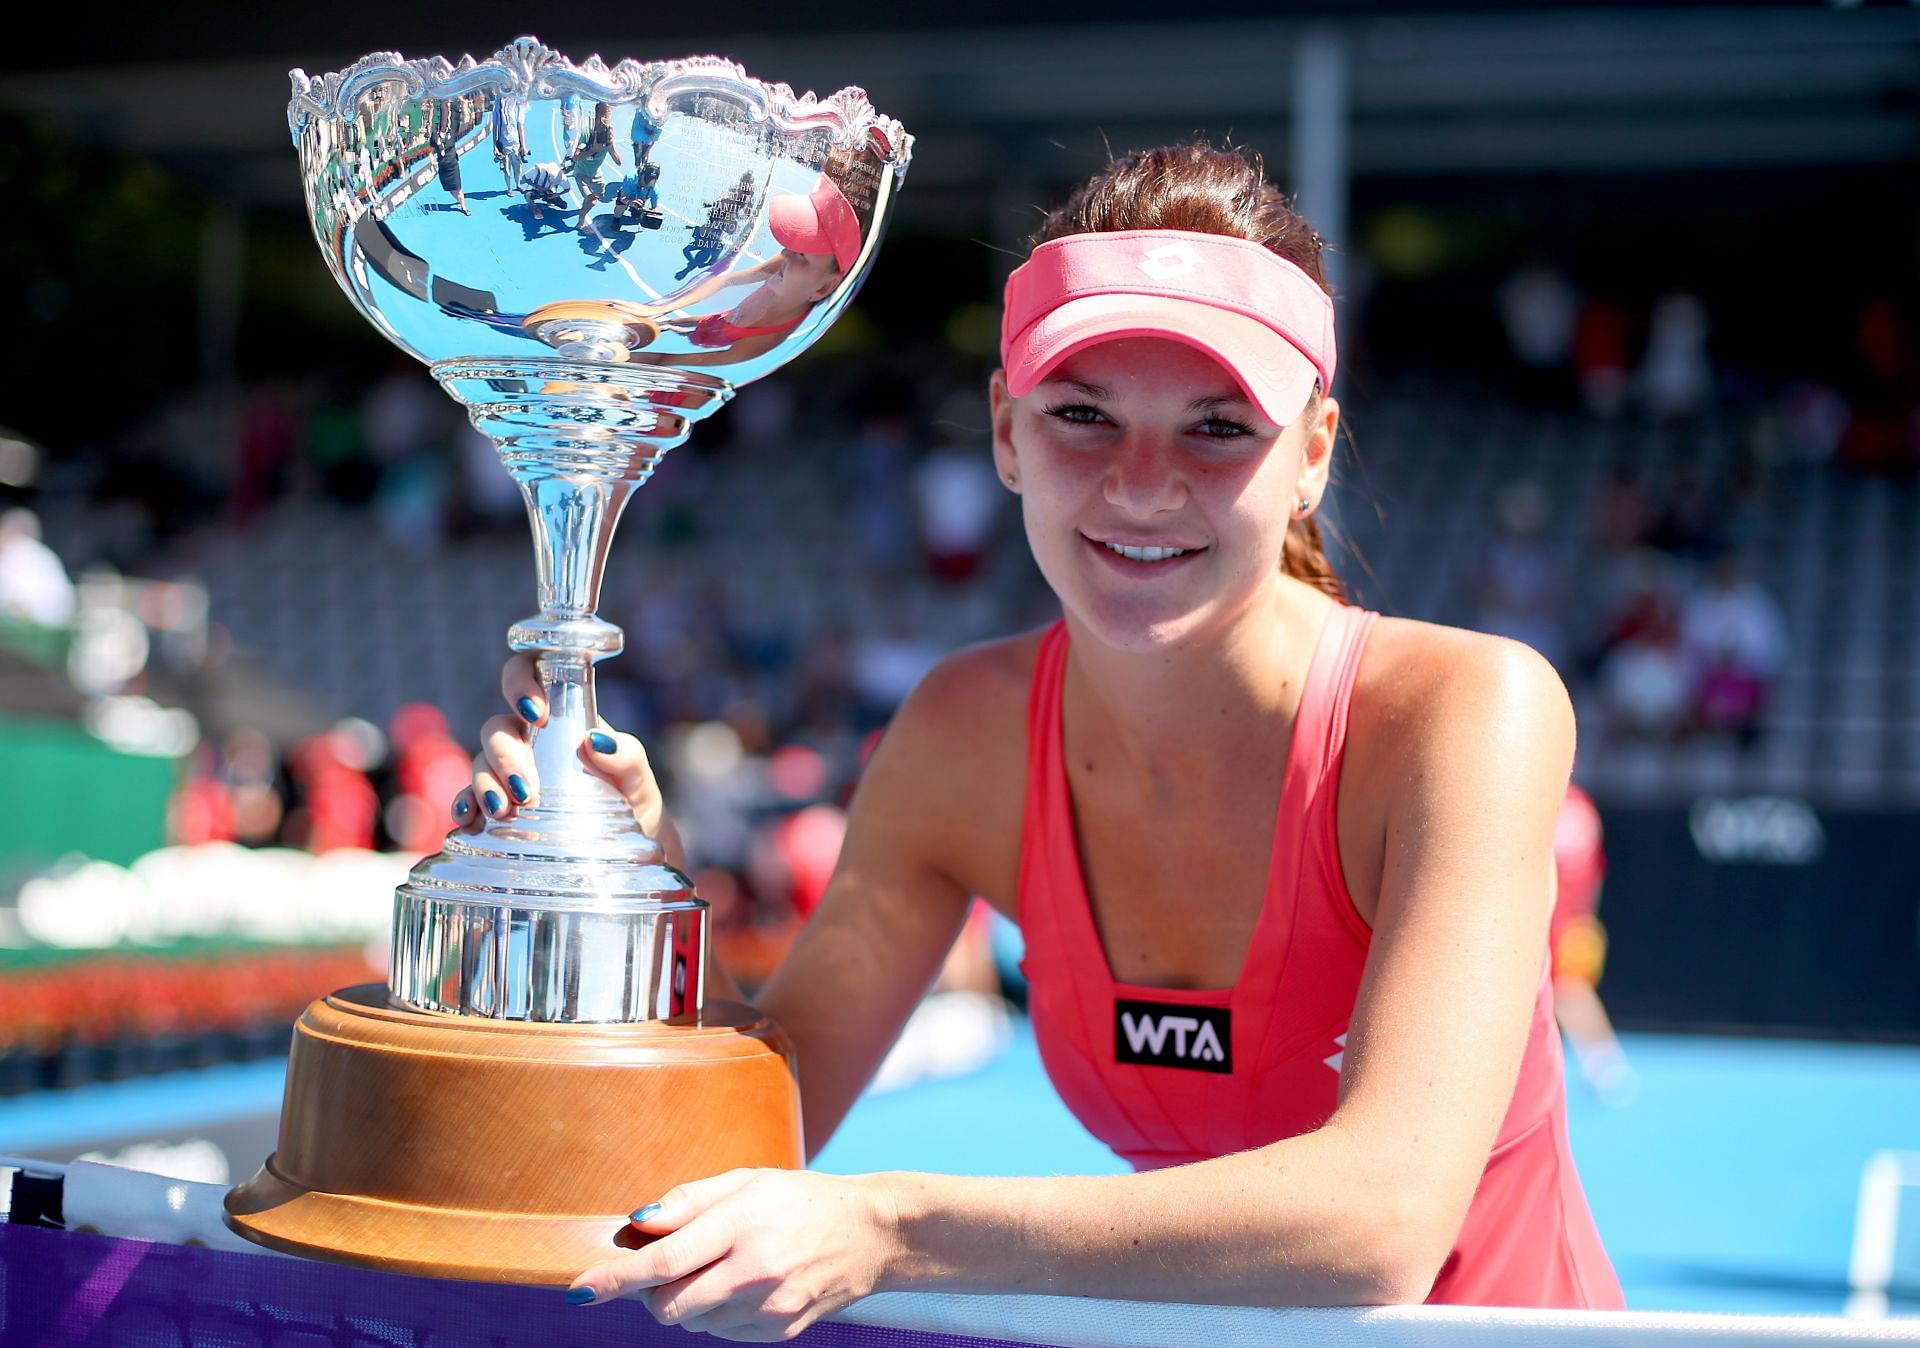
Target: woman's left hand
x,y
755,1254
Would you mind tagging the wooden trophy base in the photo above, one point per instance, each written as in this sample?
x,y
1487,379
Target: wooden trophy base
x,y
506,1151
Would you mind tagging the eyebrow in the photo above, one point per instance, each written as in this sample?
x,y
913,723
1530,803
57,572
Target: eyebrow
x,y
1219,400
1098,392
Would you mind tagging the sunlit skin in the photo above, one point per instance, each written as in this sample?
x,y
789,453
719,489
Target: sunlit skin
x,y
1183,682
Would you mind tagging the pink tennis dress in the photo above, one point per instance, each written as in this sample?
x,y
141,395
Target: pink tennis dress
x,y
1165,1076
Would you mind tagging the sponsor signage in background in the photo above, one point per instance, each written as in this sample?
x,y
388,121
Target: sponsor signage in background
x,y
1762,913
1763,830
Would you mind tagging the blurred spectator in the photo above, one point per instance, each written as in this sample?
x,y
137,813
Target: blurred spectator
x,y
338,804
1519,591
1643,676
956,499
1884,434
1600,356
1623,516
880,511
749,941
887,664
1735,637
401,415
250,772
792,858
402,420
263,451
33,584
1676,376
202,806
489,494
1816,417
826,706
1579,950
332,450
1539,308
429,769
1690,520
411,502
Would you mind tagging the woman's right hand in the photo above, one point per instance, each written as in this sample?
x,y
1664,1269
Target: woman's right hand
x,y
503,773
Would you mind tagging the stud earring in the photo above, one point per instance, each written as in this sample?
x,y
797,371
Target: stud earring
x,y
1009,479
1306,506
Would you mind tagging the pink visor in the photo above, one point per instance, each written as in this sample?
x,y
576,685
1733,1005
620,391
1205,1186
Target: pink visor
x,y
1255,312
820,222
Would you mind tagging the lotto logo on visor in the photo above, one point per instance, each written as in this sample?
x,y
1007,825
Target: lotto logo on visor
x,y
1174,259
1267,321
1170,1034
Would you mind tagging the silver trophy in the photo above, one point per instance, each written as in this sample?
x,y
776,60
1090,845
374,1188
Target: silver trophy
x,y
590,259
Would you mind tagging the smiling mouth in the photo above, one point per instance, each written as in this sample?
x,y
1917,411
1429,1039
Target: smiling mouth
x,y
1144,553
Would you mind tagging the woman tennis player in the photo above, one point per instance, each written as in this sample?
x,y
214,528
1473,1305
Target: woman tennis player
x,y
1284,867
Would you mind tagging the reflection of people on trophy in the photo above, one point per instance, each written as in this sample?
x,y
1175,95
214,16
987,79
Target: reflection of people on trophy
x,y
723,220
639,194
590,157
544,185
702,253
446,151
819,238
645,132
509,141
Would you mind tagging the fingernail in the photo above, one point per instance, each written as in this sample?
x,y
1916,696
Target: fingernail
x,y
646,1214
493,802
579,1296
602,743
529,712
518,786
462,807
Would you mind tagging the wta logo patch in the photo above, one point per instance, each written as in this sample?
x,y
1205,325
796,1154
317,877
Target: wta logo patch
x,y
1163,1034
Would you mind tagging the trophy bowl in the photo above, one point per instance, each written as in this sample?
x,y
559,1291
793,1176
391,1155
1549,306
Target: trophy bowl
x,y
590,259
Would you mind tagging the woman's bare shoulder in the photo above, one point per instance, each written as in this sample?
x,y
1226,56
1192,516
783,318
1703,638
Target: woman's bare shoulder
x,y
984,680
948,780
967,718
1420,682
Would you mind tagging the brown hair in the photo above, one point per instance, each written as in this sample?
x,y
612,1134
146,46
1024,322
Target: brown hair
x,y
1197,187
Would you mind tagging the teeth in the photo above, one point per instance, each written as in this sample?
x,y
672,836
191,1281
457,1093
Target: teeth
x,y
1147,554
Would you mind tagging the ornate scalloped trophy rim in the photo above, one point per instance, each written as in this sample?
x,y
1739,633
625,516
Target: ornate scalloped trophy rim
x,y
531,69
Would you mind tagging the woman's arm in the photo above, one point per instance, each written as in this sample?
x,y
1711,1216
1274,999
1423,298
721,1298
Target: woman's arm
x,y
1363,1210
898,896
745,349
759,271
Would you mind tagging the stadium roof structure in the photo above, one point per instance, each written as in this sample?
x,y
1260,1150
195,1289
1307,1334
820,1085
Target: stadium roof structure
x,y
1002,97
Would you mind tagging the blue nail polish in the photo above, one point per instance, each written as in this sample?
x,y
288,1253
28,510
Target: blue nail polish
x,y
493,802
646,1214
602,744
528,711
461,807
518,786
579,1296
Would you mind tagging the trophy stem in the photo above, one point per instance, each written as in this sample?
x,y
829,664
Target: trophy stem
x,y
573,517
578,439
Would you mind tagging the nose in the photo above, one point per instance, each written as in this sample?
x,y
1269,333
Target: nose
x,y
1142,479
